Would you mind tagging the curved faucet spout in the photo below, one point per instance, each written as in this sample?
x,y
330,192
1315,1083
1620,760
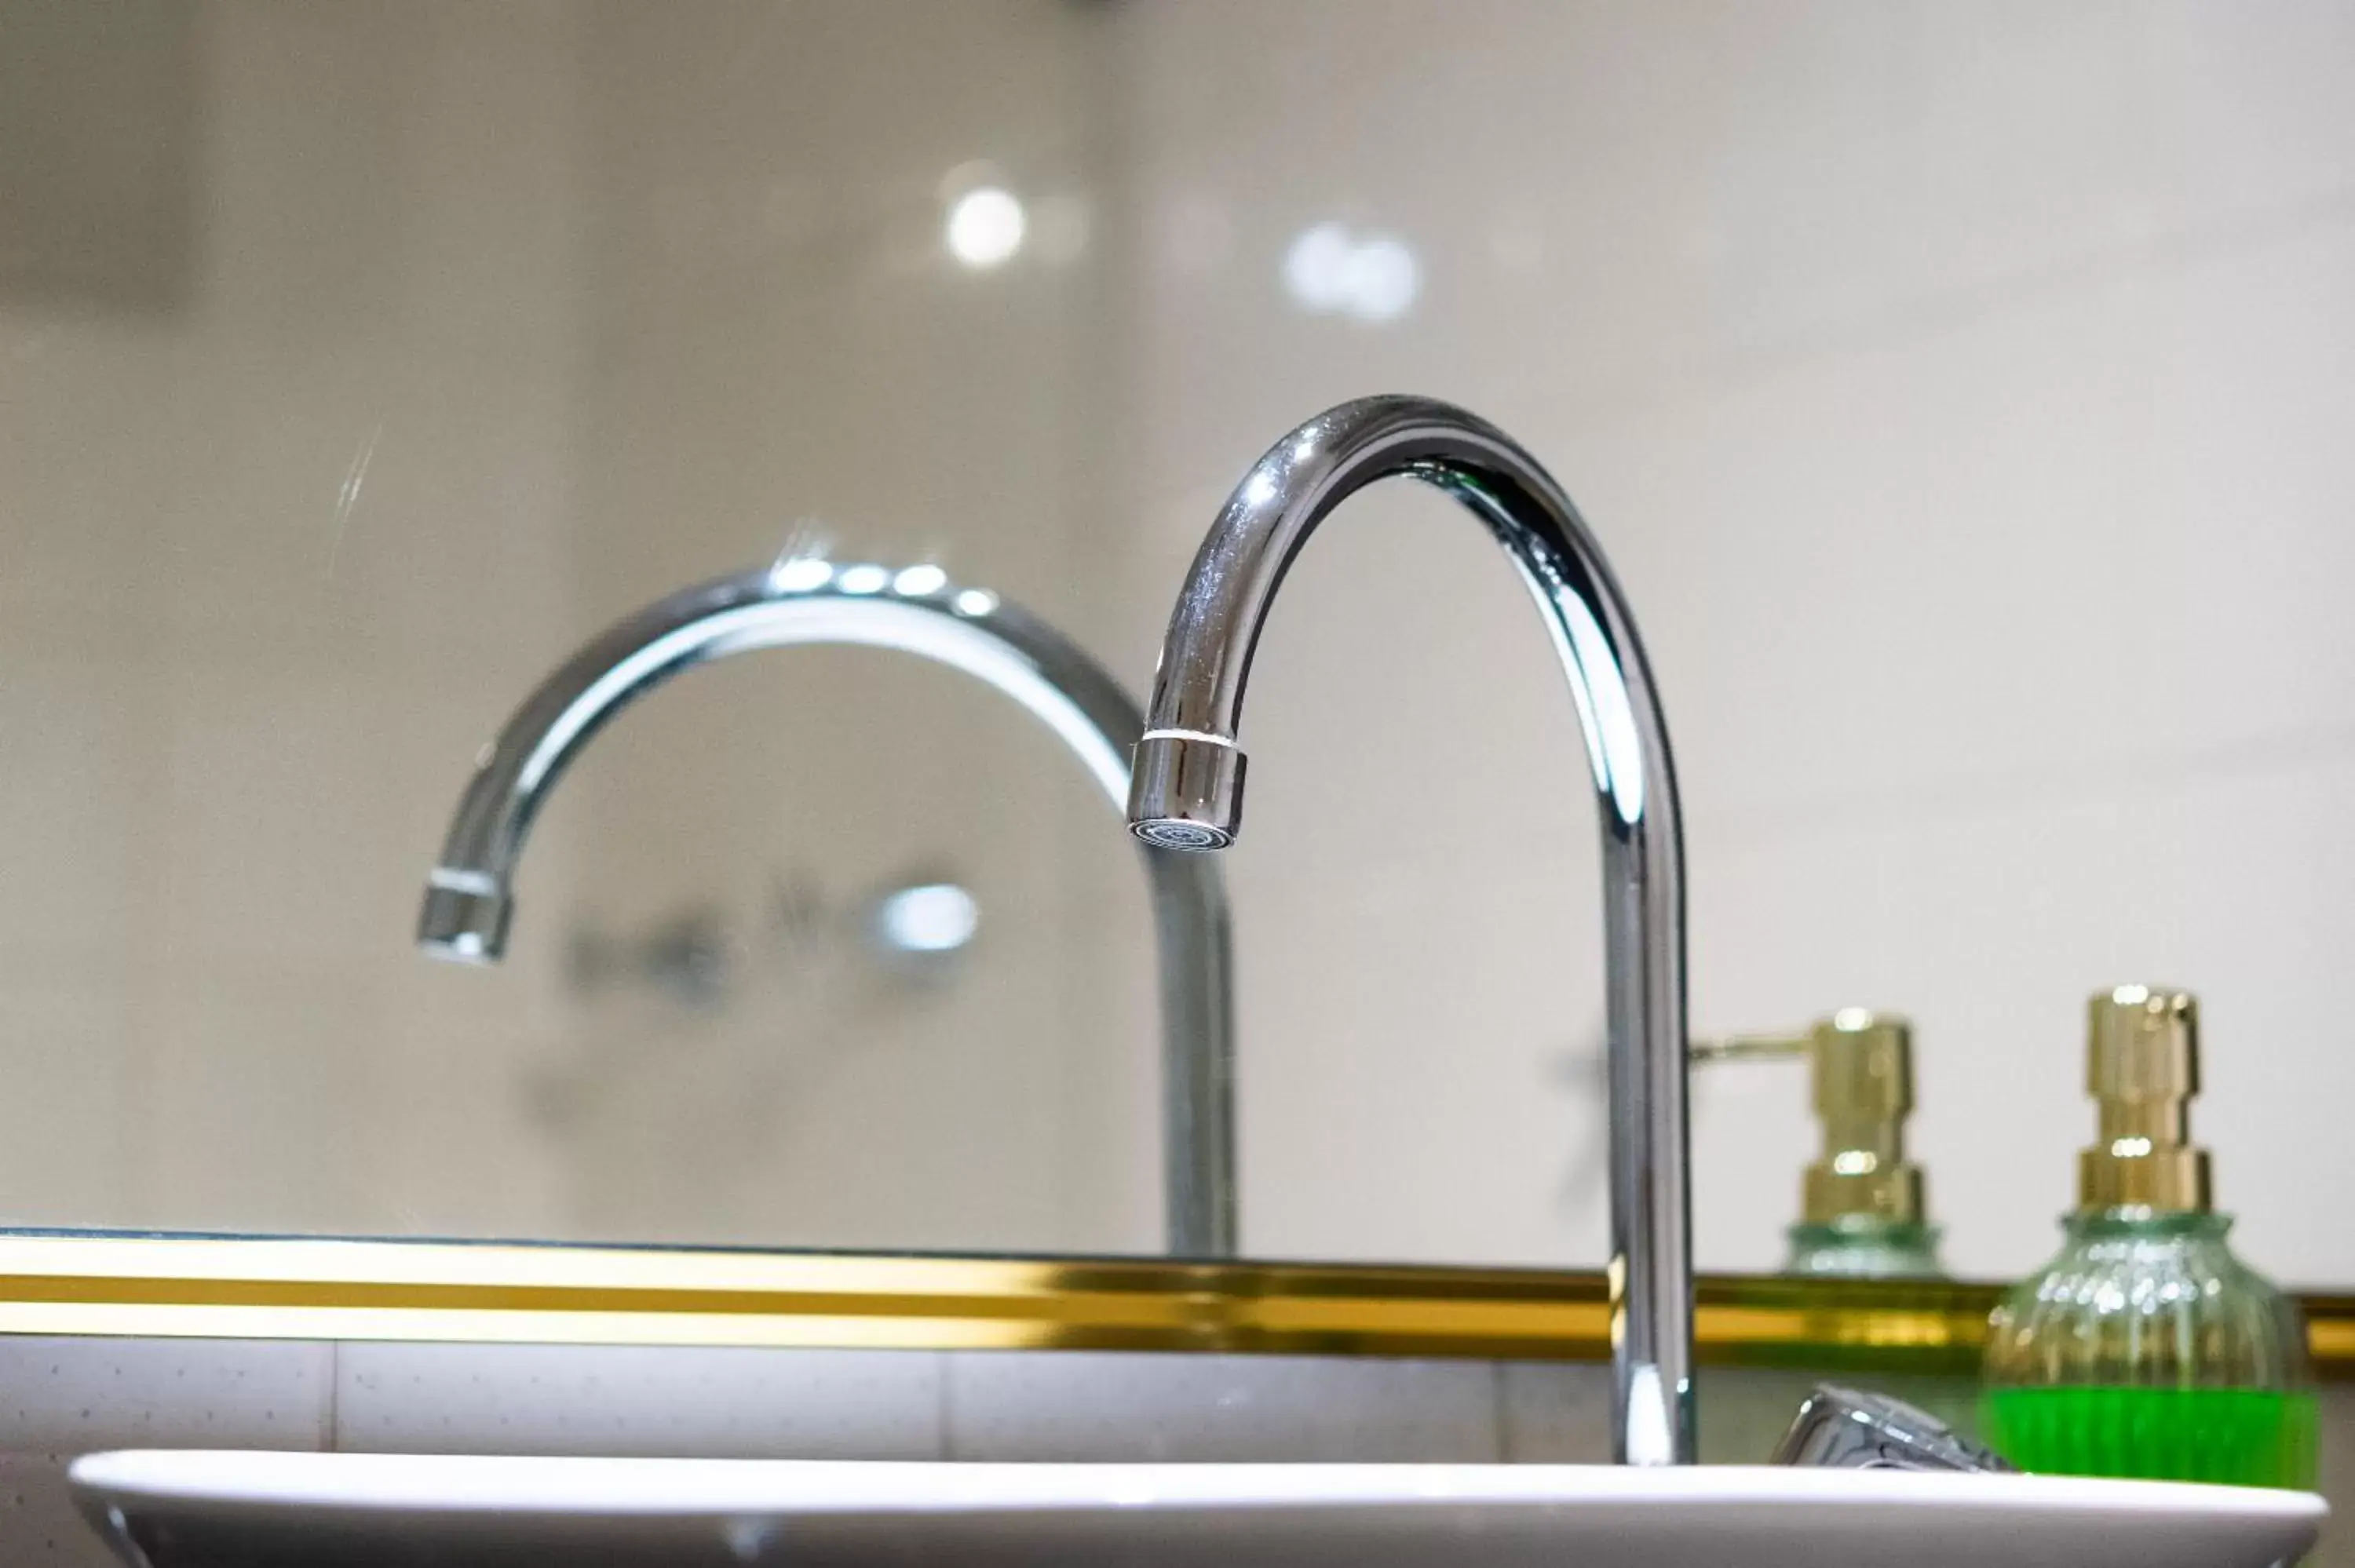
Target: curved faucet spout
x,y
1186,786
803,600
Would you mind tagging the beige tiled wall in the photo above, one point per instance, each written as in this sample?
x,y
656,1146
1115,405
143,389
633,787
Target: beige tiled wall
x,y
264,538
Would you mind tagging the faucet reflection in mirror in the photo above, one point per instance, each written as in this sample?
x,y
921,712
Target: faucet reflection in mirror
x,y
803,600
1186,793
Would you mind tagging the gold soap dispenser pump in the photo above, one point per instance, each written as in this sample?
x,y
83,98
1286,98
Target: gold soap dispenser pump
x,y
2146,1348
1862,1214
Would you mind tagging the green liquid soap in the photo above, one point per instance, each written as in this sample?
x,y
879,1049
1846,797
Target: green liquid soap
x,y
2235,1436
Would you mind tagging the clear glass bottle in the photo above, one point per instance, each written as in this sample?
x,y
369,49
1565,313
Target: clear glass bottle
x,y
2146,1348
1864,1247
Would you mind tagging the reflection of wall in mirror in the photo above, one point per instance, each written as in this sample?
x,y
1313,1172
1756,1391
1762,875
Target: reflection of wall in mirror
x,y
276,525
1947,388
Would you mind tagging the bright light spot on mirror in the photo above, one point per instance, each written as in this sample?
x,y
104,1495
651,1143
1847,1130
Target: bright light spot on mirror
x,y
1383,281
863,578
985,227
1330,272
936,918
918,581
975,601
1316,268
800,574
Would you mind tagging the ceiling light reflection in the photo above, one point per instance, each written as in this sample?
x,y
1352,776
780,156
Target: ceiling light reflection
x,y
985,227
1330,272
800,574
1383,281
936,918
1316,268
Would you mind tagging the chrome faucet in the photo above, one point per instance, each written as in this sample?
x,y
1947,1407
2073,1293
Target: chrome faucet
x,y
806,600
1188,783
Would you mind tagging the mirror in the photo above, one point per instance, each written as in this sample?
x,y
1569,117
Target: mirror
x,y
1961,404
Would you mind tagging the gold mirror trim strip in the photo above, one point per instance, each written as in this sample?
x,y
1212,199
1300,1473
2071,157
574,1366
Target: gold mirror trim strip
x,y
238,1287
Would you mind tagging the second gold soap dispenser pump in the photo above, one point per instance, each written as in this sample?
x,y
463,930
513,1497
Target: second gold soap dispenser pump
x,y
1863,1210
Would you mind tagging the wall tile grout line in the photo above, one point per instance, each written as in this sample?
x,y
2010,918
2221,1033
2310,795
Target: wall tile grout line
x,y
331,1437
945,1404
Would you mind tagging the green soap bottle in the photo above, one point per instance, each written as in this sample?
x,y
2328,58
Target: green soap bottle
x,y
2146,1348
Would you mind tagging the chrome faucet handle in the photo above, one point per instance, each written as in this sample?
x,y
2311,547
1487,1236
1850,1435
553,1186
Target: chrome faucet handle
x,y
1854,1429
1186,793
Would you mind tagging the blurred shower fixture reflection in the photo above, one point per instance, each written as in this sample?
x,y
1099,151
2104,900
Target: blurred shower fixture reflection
x,y
915,929
915,610
690,957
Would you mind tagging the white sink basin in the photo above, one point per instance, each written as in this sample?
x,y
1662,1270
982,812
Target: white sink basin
x,y
200,1510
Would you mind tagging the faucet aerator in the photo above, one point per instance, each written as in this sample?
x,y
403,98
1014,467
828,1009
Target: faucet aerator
x,y
1186,791
1170,834
463,925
